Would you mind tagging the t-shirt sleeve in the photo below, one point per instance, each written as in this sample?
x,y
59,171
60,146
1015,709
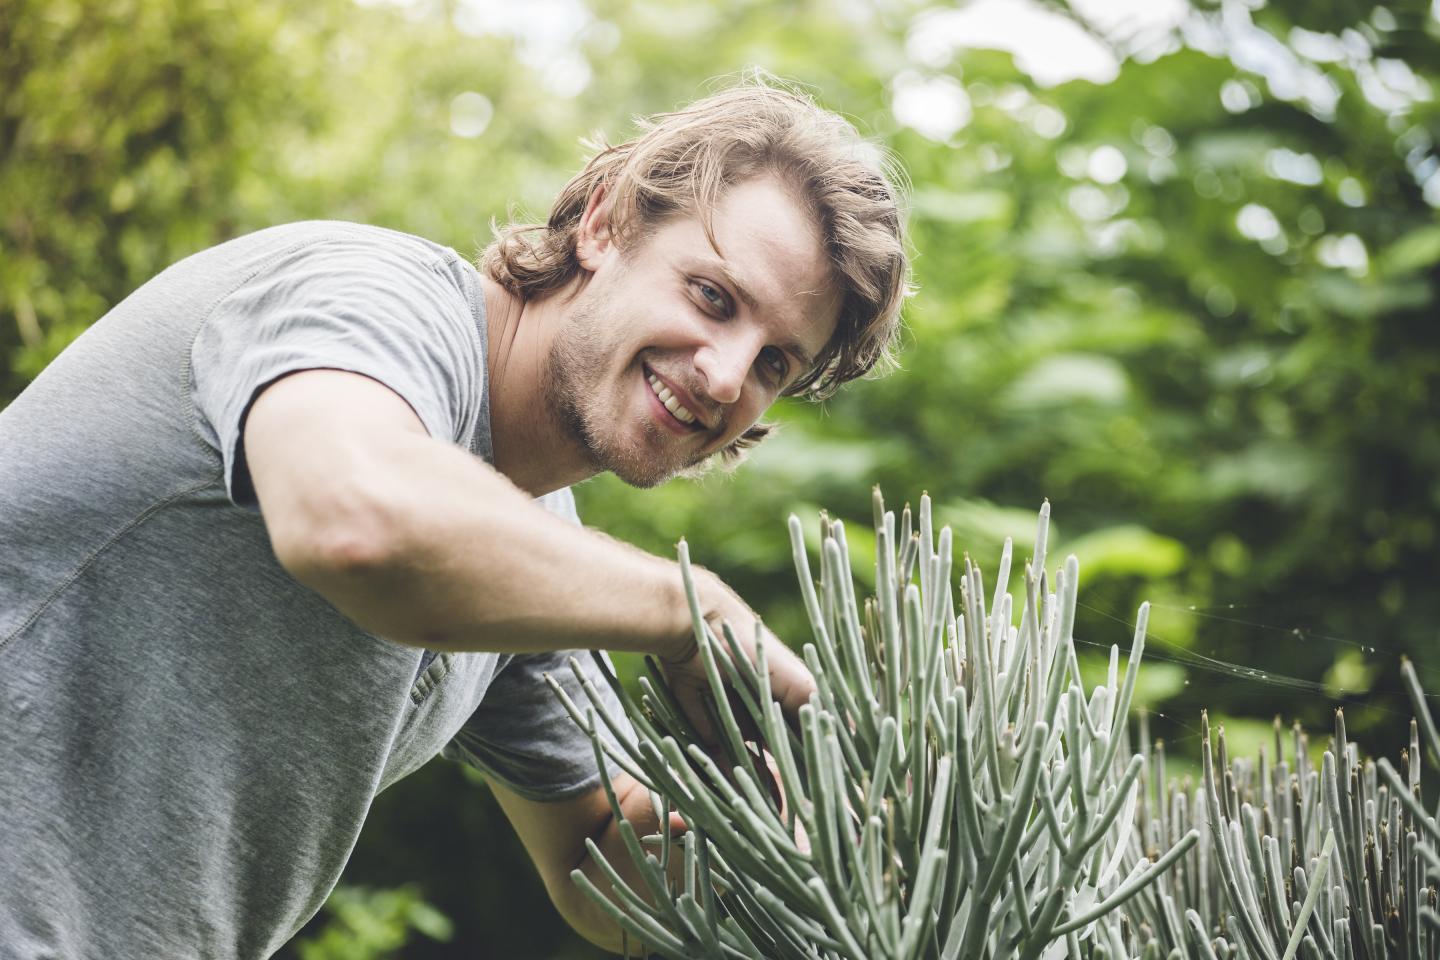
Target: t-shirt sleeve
x,y
373,305
522,734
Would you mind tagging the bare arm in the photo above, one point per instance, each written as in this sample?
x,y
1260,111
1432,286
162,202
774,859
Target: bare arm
x,y
418,541
554,834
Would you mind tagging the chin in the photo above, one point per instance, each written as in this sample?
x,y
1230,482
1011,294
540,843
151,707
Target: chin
x,y
637,469
643,473
642,456
645,481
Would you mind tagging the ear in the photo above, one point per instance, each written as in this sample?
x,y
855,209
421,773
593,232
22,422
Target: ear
x,y
592,236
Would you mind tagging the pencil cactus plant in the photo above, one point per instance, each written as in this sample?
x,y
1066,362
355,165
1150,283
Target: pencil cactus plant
x,y
950,791
1338,862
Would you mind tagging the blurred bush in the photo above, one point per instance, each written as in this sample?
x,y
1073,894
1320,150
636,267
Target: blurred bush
x,y
367,924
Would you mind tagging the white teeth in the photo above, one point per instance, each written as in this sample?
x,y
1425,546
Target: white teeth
x,y
668,399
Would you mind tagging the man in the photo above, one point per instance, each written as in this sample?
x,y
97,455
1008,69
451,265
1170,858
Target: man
x,y
294,517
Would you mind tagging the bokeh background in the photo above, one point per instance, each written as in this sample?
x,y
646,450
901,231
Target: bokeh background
x,y
1178,269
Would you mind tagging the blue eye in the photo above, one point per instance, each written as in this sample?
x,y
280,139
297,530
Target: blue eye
x,y
712,296
775,359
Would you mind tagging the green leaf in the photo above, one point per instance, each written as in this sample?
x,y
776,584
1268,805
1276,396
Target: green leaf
x,y
1125,551
1416,250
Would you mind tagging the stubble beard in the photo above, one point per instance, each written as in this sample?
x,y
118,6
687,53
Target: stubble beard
x,y
573,373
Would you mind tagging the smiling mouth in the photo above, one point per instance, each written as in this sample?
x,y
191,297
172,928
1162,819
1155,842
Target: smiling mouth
x,y
671,403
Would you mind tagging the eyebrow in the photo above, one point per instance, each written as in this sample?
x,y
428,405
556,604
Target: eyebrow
x,y
807,361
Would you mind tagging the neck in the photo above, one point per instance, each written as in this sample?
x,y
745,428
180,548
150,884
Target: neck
x,y
529,447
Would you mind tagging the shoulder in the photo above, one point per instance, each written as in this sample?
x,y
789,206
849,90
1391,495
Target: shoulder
x,y
317,268
341,239
315,249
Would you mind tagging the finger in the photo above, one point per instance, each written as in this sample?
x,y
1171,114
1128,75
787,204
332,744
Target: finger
x,y
791,682
802,839
769,773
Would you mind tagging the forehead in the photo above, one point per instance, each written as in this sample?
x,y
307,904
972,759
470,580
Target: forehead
x,y
768,249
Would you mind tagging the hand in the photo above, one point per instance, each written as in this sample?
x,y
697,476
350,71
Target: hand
x,y
636,807
790,681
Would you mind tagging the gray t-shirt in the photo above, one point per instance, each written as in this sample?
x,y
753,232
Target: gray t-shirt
x,y
189,739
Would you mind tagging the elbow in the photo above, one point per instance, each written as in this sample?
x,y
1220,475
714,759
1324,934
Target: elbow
x,y
342,542
330,552
338,533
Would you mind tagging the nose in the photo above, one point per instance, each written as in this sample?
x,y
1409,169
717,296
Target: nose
x,y
725,363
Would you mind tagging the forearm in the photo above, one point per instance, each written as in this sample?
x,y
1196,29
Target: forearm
x,y
466,561
554,832
589,919
586,915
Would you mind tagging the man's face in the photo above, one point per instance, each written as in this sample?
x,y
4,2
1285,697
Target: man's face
x,y
674,348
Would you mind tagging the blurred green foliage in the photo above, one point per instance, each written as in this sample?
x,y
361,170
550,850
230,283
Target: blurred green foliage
x,y
368,924
1194,306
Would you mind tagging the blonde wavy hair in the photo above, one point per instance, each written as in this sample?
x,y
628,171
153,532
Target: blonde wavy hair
x,y
682,163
